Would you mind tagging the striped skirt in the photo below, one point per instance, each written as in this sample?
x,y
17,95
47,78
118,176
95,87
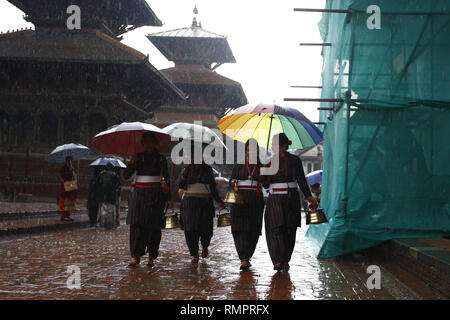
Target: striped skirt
x,y
283,210
197,214
147,208
247,217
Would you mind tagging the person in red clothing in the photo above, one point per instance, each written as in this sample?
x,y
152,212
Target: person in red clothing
x,y
66,198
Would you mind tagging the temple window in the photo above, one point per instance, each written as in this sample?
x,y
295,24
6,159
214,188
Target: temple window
x,y
72,128
48,129
96,124
4,128
24,126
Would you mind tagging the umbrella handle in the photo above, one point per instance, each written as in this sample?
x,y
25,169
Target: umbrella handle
x,y
167,208
224,209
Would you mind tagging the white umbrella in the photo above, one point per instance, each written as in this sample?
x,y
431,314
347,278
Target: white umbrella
x,y
74,150
104,161
195,133
125,139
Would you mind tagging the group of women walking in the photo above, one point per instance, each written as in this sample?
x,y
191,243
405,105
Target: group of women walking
x,y
282,207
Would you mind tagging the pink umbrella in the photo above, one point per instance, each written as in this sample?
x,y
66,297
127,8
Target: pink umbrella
x,y
125,139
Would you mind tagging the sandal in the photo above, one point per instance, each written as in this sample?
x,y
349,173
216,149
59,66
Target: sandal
x,y
245,265
277,266
205,252
134,262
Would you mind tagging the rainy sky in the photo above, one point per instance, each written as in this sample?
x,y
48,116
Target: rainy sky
x,y
264,36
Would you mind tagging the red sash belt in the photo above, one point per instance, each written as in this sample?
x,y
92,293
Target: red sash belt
x,y
147,181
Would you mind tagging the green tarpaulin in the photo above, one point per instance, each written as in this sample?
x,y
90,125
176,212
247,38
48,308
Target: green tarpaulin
x,y
387,147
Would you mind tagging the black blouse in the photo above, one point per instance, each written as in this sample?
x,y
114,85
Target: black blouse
x,y
199,173
242,172
290,169
148,164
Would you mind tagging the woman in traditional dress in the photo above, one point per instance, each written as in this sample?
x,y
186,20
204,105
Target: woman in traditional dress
x,y
197,207
92,204
246,218
146,211
66,198
283,207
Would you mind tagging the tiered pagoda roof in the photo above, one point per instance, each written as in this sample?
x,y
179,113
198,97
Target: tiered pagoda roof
x,y
62,50
112,16
193,45
197,53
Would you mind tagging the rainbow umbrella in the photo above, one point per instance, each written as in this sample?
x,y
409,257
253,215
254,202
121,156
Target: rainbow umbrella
x,y
263,121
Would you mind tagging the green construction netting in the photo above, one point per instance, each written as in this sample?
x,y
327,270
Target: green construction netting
x,y
387,147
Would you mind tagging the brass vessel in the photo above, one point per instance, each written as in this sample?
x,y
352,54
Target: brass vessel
x,y
316,216
171,221
224,219
233,196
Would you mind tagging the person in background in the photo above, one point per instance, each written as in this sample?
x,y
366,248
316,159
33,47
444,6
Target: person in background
x,y
197,206
66,198
146,211
283,207
246,218
131,190
316,191
119,199
92,204
108,188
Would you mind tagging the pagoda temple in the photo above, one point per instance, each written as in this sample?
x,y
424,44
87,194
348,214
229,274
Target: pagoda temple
x,y
197,53
61,86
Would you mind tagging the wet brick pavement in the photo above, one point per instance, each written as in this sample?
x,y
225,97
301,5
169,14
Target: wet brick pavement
x,y
33,207
39,222
35,267
8,207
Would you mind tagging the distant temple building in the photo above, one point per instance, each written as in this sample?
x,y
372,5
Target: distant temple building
x,y
60,86
196,54
312,158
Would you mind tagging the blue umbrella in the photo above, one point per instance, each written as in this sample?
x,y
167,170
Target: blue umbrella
x,y
74,150
314,177
104,161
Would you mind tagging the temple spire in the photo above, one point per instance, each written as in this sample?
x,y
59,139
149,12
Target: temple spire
x,y
195,23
